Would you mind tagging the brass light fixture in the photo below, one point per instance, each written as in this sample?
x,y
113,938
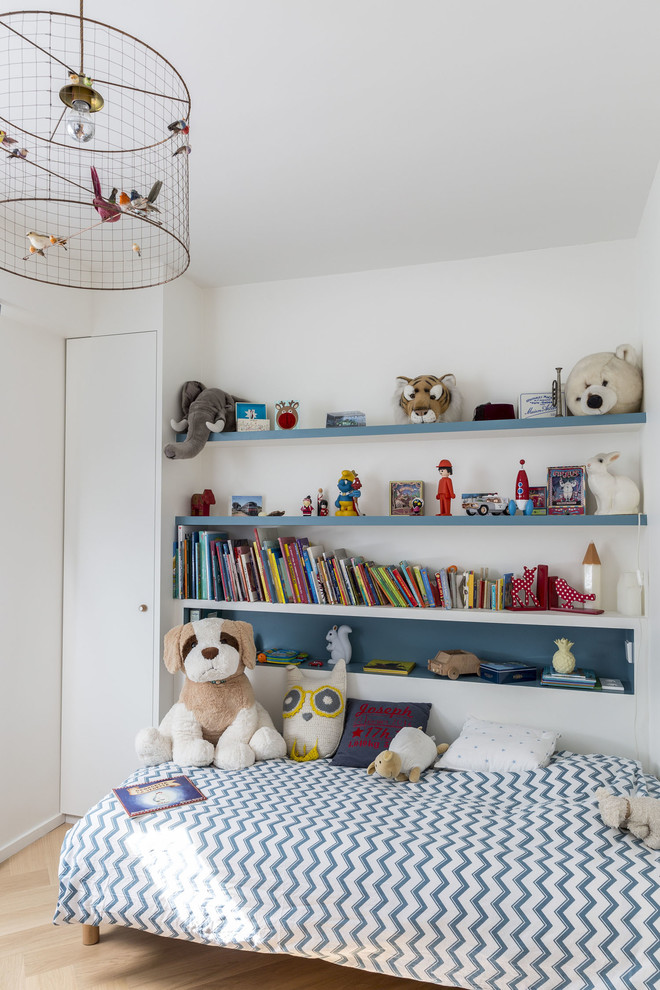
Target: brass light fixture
x,y
90,199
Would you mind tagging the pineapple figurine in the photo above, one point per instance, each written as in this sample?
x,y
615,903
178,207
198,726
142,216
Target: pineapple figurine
x,y
563,660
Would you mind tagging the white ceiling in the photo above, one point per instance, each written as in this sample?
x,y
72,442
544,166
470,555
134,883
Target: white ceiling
x,y
342,135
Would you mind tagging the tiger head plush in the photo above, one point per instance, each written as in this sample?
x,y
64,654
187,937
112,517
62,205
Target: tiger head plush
x,y
427,399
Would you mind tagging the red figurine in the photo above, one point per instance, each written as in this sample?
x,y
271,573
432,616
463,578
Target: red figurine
x,y
199,504
445,488
321,503
306,507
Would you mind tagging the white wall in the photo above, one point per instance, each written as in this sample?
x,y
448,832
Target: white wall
x,y
502,325
648,249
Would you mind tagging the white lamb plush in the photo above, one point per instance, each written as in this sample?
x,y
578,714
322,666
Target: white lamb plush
x,y
410,752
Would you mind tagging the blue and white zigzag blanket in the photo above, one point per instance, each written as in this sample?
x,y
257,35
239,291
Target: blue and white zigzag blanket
x,y
473,880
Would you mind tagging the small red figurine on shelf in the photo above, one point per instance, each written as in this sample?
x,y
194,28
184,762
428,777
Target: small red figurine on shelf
x,y
321,503
306,507
522,500
445,488
199,504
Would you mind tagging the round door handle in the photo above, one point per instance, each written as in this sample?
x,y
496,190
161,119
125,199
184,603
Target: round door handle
x,y
142,608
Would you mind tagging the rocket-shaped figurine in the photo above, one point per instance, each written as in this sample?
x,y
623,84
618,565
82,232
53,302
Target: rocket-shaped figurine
x,y
521,500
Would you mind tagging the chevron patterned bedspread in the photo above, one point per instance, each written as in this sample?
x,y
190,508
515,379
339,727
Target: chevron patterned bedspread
x,y
499,881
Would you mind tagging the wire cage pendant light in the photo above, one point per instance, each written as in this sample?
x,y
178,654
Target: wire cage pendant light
x,y
94,146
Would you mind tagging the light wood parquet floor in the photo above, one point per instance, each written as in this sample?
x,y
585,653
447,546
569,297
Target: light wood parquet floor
x,y
37,955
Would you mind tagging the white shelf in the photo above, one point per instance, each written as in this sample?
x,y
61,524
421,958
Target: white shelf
x,y
607,620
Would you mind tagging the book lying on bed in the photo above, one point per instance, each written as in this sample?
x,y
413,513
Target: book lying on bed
x,y
156,795
388,667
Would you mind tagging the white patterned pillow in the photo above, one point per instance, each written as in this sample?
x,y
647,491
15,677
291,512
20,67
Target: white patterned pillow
x,y
498,746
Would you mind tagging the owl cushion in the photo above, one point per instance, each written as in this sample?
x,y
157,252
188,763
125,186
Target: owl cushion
x,y
313,712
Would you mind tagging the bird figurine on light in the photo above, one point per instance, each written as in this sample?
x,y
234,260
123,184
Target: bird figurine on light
x,y
39,242
178,127
19,153
185,149
145,204
107,209
136,250
5,140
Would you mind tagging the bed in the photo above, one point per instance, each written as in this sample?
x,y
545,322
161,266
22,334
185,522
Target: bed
x,y
485,881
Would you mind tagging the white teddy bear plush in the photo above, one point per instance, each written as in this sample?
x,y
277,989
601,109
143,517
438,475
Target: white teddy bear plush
x,y
638,815
607,382
410,752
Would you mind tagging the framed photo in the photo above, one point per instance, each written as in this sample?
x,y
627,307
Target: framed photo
x,y
351,417
566,490
251,416
539,497
402,495
538,405
246,505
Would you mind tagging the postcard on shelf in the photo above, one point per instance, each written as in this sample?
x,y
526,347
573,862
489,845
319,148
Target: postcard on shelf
x,y
246,505
539,497
286,415
389,666
157,795
611,684
566,490
405,498
352,417
538,405
251,416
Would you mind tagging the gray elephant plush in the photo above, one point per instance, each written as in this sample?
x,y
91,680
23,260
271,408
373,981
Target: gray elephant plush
x,y
205,411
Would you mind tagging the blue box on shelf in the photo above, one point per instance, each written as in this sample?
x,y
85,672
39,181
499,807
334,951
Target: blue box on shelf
x,y
506,671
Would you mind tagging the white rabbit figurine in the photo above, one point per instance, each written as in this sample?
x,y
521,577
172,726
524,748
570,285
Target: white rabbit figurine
x,y
615,494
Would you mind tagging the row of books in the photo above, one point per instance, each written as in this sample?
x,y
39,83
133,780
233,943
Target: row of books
x,y
210,566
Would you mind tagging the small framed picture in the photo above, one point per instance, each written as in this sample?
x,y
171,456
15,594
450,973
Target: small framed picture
x,y
246,505
406,498
251,416
538,405
351,417
566,490
539,497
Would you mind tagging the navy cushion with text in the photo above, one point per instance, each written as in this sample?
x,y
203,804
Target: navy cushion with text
x,y
370,726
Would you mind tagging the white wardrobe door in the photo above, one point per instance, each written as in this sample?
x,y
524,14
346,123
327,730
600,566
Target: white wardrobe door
x,y
109,561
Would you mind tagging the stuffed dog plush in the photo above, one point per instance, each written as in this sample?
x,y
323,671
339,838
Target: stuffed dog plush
x,y
216,719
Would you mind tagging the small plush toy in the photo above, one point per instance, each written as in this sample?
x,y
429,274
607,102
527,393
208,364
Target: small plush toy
x,y
427,399
216,719
410,752
205,411
638,815
615,494
313,713
607,382
339,644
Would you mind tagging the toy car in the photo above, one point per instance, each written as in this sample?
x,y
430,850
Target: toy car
x,y
485,502
451,663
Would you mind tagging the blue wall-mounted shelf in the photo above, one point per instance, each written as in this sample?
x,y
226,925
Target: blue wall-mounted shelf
x,y
531,427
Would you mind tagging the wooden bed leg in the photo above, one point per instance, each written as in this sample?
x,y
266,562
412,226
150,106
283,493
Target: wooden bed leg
x,y
90,934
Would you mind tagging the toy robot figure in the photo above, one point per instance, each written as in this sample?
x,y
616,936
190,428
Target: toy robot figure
x,y
306,507
445,488
346,501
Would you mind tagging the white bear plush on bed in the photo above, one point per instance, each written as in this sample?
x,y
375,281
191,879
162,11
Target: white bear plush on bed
x,y
216,719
